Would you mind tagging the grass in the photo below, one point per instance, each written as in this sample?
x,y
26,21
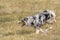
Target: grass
x,y
12,11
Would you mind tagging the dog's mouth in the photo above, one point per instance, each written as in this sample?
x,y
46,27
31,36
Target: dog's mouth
x,y
22,23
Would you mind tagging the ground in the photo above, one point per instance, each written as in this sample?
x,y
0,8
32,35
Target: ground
x,y
12,11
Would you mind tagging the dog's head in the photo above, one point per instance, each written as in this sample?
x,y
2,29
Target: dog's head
x,y
23,22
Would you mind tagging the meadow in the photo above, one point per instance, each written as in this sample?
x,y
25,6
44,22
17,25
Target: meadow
x,y
12,11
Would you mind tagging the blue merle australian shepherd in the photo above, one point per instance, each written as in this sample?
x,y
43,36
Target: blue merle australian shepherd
x,y
36,21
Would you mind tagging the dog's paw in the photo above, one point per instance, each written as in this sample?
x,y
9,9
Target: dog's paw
x,y
46,31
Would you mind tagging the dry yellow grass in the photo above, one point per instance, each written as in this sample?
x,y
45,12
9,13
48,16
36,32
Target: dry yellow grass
x,y
14,10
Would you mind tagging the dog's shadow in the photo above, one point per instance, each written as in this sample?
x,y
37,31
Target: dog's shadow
x,y
24,32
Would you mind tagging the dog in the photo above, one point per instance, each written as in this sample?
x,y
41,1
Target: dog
x,y
38,20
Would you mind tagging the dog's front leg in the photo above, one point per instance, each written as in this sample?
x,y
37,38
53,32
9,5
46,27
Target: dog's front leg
x,y
41,30
38,30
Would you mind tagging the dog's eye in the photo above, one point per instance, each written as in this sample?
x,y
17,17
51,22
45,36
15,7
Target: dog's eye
x,y
25,19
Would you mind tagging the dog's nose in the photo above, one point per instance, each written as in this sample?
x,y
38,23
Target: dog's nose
x,y
18,22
